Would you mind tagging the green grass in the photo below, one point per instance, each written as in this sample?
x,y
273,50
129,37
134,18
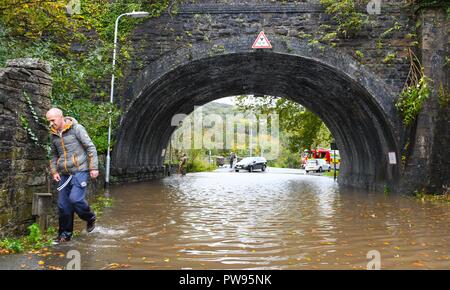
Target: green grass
x,y
35,240
99,203
331,173
200,166
441,198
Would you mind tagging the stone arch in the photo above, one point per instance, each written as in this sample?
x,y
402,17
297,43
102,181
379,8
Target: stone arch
x,y
356,105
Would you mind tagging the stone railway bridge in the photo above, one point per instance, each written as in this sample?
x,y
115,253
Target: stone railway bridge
x,y
203,53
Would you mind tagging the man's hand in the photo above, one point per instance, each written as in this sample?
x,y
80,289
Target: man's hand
x,y
94,174
56,177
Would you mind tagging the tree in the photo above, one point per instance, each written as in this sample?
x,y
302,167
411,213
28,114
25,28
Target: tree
x,y
303,128
78,46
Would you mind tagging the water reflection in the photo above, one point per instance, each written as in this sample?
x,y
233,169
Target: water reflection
x,y
265,221
227,220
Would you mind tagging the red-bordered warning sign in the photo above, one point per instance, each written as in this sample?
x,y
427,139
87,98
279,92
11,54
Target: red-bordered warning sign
x,y
261,41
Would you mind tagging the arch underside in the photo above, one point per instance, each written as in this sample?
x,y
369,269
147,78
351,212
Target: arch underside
x,y
360,126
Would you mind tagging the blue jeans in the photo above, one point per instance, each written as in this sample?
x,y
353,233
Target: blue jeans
x,y
72,199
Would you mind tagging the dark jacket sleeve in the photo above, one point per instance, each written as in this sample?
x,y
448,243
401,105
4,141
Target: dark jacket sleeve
x,y
88,145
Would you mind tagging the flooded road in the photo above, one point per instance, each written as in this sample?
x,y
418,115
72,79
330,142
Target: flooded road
x,y
273,220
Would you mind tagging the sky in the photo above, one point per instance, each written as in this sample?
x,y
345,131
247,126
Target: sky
x,y
227,100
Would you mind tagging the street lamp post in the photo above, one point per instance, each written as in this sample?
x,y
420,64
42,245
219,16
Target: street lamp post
x,y
334,148
134,14
250,140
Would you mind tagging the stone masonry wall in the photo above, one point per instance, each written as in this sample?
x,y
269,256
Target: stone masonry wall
x,y
23,162
427,166
381,45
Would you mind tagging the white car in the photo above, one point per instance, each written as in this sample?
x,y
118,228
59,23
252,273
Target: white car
x,y
317,165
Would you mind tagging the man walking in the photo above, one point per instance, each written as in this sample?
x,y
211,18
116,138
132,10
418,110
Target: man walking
x,y
182,165
232,159
74,159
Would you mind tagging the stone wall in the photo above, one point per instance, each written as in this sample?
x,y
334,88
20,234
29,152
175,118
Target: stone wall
x,y
217,27
428,165
25,89
25,85
383,42
381,47
435,53
23,161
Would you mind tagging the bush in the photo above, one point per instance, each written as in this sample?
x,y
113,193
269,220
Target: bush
x,y
199,166
344,12
35,240
412,99
43,29
99,203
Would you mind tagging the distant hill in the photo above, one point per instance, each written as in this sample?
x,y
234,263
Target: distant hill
x,y
218,108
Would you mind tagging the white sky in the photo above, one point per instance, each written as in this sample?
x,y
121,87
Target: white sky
x,y
227,100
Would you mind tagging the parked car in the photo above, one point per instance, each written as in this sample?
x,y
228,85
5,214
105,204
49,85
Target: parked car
x,y
251,163
317,165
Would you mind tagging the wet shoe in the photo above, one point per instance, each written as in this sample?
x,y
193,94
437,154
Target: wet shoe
x,y
61,239
90,226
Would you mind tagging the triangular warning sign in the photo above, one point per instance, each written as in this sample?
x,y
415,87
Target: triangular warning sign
x,y
261,41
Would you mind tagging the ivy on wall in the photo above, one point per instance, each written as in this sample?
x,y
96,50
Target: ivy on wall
x,y
78,45
415,92
349,19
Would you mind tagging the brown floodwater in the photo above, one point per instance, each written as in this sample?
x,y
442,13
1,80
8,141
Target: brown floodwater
x,y
273,220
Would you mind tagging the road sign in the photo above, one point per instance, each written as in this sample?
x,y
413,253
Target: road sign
x,y
261,41
392,158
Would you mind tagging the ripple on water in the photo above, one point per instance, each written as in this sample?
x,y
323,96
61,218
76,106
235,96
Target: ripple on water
x,y
105,231
266,221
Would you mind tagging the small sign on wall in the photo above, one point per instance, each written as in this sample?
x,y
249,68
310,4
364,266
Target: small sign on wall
x,y
392,158
261,41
